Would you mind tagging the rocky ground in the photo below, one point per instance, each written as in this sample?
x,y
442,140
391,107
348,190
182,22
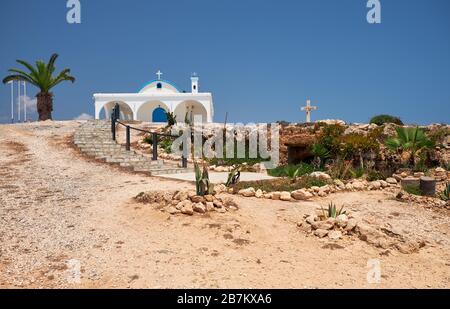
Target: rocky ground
x,y
59,209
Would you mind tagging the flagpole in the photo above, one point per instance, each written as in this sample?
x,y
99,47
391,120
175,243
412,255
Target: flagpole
x,y
24,102
18,105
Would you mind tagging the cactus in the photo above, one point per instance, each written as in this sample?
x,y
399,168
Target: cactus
x,y
202,184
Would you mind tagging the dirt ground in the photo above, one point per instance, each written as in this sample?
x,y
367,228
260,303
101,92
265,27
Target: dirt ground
x,y
58,209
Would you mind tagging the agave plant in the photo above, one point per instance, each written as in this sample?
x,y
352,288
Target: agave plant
x,y
233,177
202,184
42,77
292,172
332,211
410,139
445,195
321,153
171,119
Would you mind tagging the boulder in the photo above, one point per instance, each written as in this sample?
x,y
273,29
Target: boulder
x,y
374,185
197,199
187,209
342,220
322,193
383,183
358,185
220,188
334,235
321,233
391,181
338,183
321,175
182,204
210,206
276,196
301,195
259,193
249,192
209,198
199,207
180,196
322,225
285,196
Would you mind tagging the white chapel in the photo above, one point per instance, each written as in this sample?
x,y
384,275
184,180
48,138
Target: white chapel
x,y
156,98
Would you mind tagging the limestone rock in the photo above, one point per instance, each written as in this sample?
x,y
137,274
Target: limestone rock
x,y
358,185
220,188
199,207
351,225
322,193
180,196
229,202
383,183
249,192
321,233
342,220
338,183
285,196
321,175
182,204
375,185
334,235
301,195
276,196
322,225
391,181
197,199
259,193
187,209
210,206
209,198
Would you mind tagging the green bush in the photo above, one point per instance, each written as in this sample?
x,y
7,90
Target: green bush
x,y
445,195
286,170
281,184
413,189
383,119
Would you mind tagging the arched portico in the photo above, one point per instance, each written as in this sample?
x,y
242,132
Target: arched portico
x,y
192,108
126,112
146,111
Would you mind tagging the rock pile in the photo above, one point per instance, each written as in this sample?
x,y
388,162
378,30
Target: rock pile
x,y
344,225
333,187
186,202
333,228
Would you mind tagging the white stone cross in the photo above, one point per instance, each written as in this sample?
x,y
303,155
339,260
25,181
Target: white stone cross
x,y
159,73
308,109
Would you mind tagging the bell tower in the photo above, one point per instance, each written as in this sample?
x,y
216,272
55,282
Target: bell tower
x,y
194,83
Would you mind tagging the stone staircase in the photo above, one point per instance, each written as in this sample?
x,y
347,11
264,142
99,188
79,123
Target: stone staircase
x,y
93,138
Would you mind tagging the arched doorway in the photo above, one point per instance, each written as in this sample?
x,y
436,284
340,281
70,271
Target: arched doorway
x,y
159,115
152,111
190,109
126,113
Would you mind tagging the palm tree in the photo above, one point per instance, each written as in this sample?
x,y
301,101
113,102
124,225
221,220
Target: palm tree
x,y
42,77
410,139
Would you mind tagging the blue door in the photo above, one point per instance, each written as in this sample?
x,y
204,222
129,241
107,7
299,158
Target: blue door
x,y
159,115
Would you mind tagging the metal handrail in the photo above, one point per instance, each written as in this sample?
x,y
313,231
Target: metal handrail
x,y
115,120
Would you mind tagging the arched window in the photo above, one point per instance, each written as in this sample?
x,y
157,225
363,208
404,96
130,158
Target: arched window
x,y
158,86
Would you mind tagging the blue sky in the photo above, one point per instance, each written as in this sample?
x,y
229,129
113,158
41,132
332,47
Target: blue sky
x,y
260,59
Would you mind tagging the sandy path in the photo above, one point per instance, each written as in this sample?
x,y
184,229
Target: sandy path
x,y
56,206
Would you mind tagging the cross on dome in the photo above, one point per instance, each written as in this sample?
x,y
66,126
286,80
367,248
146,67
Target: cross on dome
x,y
159,73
